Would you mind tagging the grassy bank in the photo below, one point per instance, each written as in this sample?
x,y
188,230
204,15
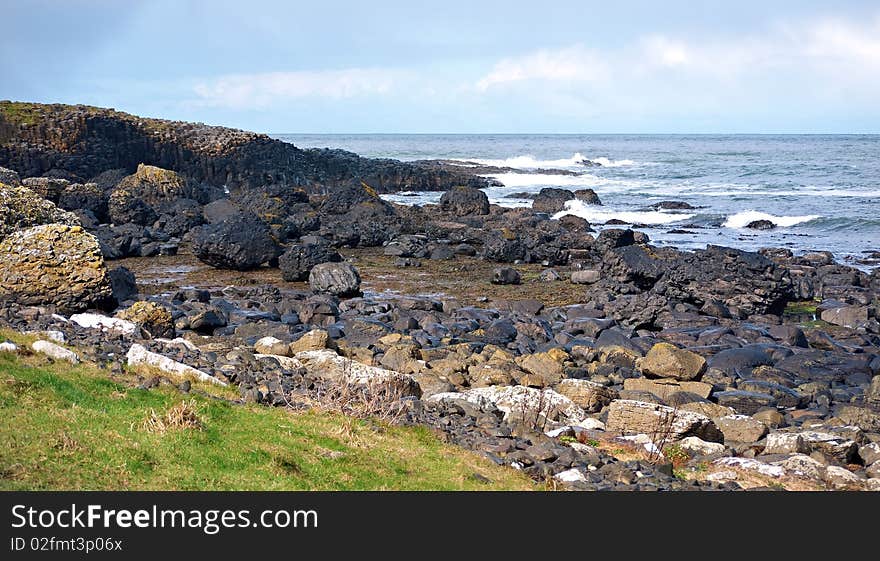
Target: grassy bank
x,y
71,427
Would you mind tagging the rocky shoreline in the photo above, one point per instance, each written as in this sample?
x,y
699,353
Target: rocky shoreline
x,y
591,360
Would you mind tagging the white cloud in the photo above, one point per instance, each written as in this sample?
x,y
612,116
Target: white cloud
x,y
571,64
262,90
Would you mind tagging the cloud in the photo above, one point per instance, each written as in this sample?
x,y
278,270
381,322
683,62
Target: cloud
x,y
570,64
263,90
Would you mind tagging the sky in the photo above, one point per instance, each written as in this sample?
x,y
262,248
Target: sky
x,y
451,66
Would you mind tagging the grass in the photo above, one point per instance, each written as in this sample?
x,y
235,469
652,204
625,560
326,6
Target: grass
x,y
20,113
72,427
801,307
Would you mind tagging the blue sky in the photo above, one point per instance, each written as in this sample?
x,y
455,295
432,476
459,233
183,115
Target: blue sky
x,y
456,66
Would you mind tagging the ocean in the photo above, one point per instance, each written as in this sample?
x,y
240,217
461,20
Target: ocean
x,y
821,191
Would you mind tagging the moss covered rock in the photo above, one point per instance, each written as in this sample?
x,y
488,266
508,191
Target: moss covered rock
x,y
152,318
54,264
22,208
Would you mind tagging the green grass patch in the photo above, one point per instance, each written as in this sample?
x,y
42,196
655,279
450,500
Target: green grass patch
x,y
801,307
72,427
20,113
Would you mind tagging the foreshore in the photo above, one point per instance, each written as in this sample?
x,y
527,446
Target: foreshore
x,y
594,360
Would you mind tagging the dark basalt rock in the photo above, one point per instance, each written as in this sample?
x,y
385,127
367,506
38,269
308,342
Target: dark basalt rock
x,y
760,225
505,275
338,279
462,201
297,262
88,197
241,242
214,156
551,200
587,196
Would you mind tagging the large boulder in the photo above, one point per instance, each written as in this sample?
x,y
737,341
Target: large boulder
x,y
126,207
328,365
665,360
158,187
22,208
9,177
551,200
297,262
240,242
462,201
338,279
660,422
54,264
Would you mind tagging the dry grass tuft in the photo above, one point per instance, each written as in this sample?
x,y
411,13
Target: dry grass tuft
x,y
184,415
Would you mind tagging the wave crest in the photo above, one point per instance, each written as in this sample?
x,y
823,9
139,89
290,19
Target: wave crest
x,y
598,214
742,219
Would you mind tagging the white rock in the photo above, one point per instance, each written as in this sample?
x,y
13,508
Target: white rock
x,y
60,318
512,400
329,365
591,424
138,354
572,475
802,466
8,347
842,478
53,335
104,323
724,475
749,464
700,446
559,431
786,443
55,352
178,341
872,484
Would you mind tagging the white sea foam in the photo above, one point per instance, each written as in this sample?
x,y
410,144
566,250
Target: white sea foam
x,y
549,180
742,219
599,214
528,161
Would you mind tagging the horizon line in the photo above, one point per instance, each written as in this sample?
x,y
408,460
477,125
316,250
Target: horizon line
x,y
574,133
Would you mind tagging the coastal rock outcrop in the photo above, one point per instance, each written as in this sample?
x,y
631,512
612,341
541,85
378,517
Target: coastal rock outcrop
x,y
241,242
22,208
54,264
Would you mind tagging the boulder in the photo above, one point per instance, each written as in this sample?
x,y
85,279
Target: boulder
x,y
158,187
701,447
54,264
21,208
271,346
846,316
587,196
327,365
297,262
665,360
126,207
745,402
338,279
785,443
519,403
637,417
741,428
154,320
314,340
588,276
104,323
590,396
9,177
551,200
761,225
462,201
546,368
664,388
241,242
138,355
122,284
55,352
505,275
